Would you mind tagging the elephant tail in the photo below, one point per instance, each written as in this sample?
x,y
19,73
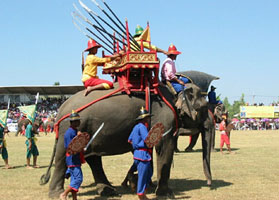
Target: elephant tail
x,y
45,177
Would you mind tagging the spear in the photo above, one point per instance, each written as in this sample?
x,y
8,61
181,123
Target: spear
x,y
89,11
89,36
91,33
97,28
85,19
130,36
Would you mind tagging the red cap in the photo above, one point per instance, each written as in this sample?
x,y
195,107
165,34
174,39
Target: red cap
x,y
173,50
91,44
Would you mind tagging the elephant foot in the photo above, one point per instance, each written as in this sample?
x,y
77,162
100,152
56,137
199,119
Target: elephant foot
x,y
213,150
106,190
176,150
165,192
124,184
152,185
188,150
209,182
55,194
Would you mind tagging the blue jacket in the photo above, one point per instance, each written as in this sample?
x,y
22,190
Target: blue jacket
x,y
136,138
71,160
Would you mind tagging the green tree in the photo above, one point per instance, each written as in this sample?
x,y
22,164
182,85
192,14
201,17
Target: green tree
x,y
56,83
235,107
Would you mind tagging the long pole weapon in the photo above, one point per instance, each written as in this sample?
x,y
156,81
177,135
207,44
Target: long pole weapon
x,y
90,12
73,15
131,37
97,28
85,19
123,30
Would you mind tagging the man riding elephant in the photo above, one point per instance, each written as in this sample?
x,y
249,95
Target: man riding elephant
x,y
168,72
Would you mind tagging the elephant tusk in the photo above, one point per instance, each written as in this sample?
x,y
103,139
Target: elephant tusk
x,y
167,132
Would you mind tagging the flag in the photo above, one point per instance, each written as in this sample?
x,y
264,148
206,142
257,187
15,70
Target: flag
x,y
145,36
29,111
3,117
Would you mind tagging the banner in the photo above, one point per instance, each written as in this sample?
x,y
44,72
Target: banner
x,y
29,111
3,117
259,112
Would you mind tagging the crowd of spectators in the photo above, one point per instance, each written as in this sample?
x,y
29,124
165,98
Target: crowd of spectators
x,y
256,124
46,108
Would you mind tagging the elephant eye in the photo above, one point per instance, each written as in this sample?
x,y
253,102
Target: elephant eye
x,y
190,97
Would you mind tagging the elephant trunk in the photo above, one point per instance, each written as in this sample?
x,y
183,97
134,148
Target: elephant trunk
x,y
45,177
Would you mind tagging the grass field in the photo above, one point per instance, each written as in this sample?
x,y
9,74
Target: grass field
x,y
251,173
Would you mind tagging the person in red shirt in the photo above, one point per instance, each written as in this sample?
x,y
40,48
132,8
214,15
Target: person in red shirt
x,y
224,135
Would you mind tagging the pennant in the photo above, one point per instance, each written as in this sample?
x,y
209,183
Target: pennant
x,y
3,117
145,36
28,111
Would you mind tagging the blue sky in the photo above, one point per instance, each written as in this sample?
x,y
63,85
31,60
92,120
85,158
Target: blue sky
x,y
235,40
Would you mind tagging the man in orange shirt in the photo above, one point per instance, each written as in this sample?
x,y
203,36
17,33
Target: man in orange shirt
x,y
89,75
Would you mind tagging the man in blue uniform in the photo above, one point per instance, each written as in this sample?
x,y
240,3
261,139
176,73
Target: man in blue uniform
x,y
73,161
142,154
212,96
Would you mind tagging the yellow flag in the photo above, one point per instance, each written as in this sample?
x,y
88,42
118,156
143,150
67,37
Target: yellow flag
x,y
3,117
145,36
29,111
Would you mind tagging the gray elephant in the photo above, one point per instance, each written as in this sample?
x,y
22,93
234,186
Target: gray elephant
x,y
216,112
49,124
24,122
118,113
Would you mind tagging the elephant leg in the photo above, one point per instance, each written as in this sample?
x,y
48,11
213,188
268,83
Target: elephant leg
x,y
104,187
56,186
164,152
213,140
175,144
130,174
193,142
206,146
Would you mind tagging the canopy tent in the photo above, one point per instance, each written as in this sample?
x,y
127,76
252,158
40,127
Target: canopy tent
x,y
43,90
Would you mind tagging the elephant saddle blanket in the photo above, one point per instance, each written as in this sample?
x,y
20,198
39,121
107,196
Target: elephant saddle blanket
x,y
154,135
78,143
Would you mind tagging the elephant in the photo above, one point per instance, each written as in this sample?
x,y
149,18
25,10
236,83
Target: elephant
x,y
215,110
48,124
25,121
118,113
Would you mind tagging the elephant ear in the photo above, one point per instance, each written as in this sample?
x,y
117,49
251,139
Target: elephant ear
x,y
179,101
187,107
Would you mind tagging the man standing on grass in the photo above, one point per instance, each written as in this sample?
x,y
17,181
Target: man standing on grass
x,y
73,161
30,130
142,154
31,146
3,131
224,135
